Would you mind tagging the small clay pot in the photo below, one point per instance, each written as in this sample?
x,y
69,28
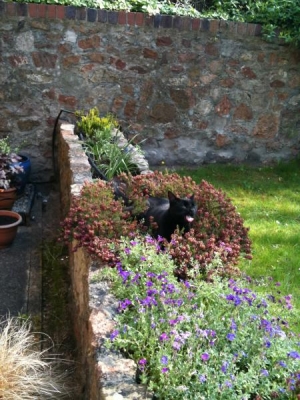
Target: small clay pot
x,y
9,222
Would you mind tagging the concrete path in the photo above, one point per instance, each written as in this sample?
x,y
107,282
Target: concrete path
x,y
20,264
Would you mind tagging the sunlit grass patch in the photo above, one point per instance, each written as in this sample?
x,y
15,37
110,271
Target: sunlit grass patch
x,y
268,198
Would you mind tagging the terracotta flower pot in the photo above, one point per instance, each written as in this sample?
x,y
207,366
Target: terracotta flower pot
x,y
7,198
9,222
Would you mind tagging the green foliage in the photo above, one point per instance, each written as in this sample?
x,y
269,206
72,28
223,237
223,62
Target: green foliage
x,y
91,124
276,16
268,199
5,146
101,143
198,340
108,156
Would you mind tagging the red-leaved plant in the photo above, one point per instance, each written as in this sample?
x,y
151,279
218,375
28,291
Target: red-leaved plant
x,y
97,221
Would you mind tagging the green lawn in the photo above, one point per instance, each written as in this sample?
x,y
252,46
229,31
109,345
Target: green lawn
x,y
268,198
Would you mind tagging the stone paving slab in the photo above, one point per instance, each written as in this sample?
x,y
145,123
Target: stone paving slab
x,y
20,264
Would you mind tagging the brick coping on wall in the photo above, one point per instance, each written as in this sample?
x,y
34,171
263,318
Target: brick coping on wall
x,y
33,10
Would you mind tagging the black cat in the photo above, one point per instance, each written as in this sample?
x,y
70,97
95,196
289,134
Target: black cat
x,y
169,214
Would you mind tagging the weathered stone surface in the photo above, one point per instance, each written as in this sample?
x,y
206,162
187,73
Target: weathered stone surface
x,y
243,112
129,109
277,84
28,124
149,53
44,60
248,72
92,42
182,98
163,112
163,41
67,100
17,61
224,107
267,126
178,81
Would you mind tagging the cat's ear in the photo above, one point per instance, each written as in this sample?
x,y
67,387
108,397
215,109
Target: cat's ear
x,y
172,196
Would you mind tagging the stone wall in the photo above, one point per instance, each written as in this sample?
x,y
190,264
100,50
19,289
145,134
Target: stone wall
x,y
198,91
106,375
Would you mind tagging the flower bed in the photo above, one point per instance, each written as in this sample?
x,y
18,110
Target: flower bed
x,y
236,341
97,221
199,339
105,374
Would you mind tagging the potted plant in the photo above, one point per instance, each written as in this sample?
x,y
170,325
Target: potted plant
x,y
108,151
9,222
10,168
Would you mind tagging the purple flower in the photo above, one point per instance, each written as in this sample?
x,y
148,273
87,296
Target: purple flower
x,y
113,335
164,370
143,258
205,356
233,325
124,274
127,250
163,337
202,378
142,363
164,360
160,239
151,292
148,302
149,240
124,304
282,364
176,345
136,278
170,288
264,372
230,336
234,298
224,366
293,354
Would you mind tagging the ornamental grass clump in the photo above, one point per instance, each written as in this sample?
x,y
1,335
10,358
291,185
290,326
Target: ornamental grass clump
x,y
201,340
25,372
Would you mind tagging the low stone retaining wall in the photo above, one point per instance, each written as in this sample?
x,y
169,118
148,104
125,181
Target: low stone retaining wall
x,y
106,375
